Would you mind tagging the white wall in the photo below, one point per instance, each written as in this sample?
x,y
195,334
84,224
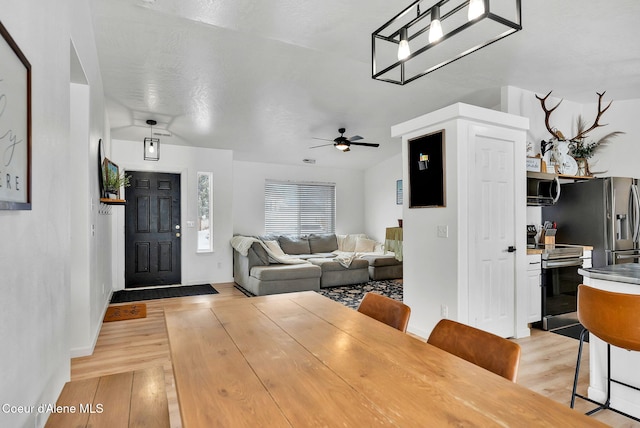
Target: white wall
x,y
197,268
35,262
381,210
248,194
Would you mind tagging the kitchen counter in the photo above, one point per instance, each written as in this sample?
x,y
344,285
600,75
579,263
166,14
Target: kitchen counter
x,y
541,247
628,273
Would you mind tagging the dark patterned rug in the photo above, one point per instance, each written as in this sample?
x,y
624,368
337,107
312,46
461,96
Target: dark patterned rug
x,y
351,295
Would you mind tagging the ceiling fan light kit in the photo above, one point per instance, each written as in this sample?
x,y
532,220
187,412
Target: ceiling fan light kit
x,y
343,143
415,43
151,145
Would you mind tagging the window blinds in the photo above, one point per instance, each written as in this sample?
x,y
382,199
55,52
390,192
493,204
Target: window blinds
x,y
299,208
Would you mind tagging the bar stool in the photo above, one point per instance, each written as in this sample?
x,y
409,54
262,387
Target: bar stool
x,y
613,318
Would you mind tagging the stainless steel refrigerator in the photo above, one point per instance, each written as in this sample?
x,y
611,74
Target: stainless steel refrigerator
x,y
602,212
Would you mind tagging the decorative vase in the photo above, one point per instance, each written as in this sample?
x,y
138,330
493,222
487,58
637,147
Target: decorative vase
x,y
583,167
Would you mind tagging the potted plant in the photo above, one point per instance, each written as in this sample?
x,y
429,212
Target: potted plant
x,y
582,151
113,182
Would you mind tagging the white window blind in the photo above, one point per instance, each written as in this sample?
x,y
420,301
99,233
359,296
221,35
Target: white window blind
x,y
299,208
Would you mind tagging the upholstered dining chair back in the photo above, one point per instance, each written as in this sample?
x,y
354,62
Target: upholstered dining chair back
x,y
612,317
386,310
491,352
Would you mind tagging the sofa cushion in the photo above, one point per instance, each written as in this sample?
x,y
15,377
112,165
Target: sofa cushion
x,y
274,247
333,265
294,244
380,260
364,245
325,243
260,253
285,272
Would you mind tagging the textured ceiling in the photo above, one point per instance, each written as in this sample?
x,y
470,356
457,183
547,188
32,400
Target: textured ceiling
x,y
264,77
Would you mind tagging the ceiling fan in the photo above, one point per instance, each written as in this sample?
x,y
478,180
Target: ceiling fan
x,y
343,143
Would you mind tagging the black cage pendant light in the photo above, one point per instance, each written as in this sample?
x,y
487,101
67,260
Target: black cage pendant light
x,y
151,145
414,43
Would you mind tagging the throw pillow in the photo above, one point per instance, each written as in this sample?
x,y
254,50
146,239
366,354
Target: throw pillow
x,y
349,241
364,245
274,247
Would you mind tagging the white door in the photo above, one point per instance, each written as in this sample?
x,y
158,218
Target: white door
x,y
492,233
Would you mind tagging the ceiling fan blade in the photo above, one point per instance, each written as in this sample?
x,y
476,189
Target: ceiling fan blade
x,y
321,145
366,144
323,139
356,138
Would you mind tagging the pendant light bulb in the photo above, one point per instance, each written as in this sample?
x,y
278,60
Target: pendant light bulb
x,y
151,149
476,8
435,28
403,48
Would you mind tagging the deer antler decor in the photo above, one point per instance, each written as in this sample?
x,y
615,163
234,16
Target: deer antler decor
x,y
582,133
547,114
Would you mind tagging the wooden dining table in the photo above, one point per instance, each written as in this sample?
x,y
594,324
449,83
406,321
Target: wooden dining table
x,y
303,360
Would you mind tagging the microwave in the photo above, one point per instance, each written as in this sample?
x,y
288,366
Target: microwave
x,y
543,189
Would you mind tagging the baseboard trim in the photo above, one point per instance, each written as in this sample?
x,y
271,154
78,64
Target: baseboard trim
x,y
85,351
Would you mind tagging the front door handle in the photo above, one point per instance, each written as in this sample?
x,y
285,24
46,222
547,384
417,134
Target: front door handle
x,y
511,249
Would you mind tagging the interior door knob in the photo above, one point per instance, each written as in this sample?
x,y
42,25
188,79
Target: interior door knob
x,y
511,249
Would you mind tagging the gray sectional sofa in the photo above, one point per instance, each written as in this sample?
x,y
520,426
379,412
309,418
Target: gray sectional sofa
x,y
282,263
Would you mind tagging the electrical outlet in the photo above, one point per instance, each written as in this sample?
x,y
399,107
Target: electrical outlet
x,y
444,311
443,231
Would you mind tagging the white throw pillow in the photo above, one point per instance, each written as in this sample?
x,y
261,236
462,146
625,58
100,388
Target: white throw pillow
x,y
274,247
364,245
349,242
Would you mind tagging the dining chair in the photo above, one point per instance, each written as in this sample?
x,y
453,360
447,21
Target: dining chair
x,y
613,318
386,310
494,353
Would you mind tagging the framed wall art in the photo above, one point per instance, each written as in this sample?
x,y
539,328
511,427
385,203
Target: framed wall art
x,y
426,171
15,125
398,192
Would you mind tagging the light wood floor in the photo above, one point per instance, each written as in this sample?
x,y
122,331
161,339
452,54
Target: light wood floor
x,y
547,363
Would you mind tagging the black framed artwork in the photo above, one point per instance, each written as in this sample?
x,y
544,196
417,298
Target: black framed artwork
x,y
426,171
15,125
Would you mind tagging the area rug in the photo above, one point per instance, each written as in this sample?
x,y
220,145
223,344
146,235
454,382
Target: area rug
x,y
352,295
125,312
122,296
572,331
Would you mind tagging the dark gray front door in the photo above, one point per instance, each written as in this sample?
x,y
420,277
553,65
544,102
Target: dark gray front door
x,y
152,229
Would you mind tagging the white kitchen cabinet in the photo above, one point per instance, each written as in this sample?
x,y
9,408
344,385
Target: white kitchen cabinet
x,y
534,289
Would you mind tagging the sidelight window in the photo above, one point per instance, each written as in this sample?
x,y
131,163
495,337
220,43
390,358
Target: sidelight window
x,y
205,212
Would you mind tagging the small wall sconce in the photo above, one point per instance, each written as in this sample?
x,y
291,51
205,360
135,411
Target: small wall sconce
x,y
151,145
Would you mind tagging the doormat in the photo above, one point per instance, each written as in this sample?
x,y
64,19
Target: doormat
x,y
125,312
572,331
122,296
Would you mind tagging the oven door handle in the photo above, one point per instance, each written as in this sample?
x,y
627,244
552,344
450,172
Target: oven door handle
x,y
550,264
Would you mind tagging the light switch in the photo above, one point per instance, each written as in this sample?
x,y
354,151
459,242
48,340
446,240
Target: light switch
x,y
443,231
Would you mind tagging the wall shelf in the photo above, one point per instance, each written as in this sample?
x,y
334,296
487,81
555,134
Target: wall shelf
x,y
108,201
